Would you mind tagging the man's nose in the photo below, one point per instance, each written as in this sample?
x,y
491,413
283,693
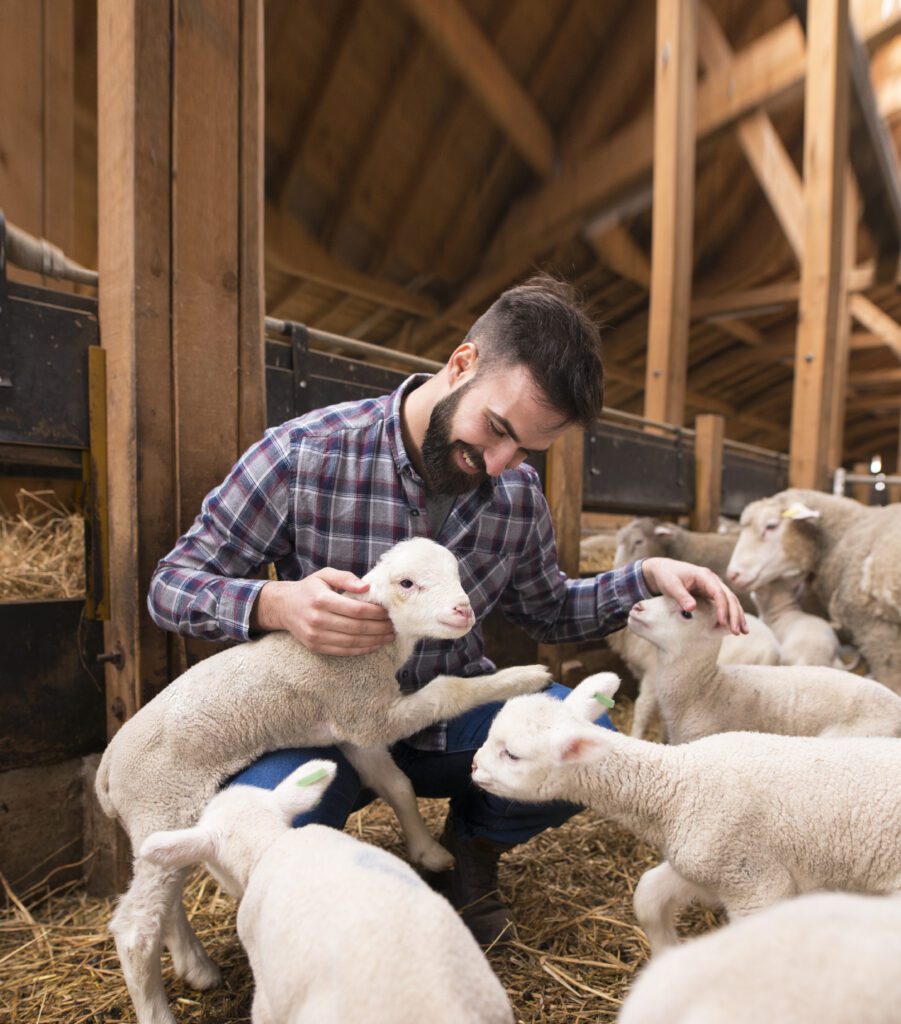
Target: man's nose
x,y
502,456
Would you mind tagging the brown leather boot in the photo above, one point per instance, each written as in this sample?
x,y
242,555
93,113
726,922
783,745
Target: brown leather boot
x,y
472,886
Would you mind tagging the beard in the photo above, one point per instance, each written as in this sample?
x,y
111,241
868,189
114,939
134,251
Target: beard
x,y
441,472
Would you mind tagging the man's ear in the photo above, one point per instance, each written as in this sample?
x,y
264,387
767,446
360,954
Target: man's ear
x,y
593,696
180,848
463,363
582,744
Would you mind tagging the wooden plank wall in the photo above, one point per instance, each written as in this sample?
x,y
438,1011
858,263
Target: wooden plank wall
x,y
37,120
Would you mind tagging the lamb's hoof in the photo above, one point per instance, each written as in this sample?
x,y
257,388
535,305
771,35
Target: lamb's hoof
x,y
524,678
203,976
434,858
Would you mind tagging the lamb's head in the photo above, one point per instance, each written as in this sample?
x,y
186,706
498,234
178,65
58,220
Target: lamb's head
x,y
531,737
778,539
668,627
238,825
635,540
418,583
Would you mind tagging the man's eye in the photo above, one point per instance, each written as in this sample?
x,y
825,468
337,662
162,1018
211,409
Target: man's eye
x,y
495,429
506,753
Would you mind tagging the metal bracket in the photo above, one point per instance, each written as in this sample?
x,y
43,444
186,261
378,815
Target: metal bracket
x,y
300,347
6,379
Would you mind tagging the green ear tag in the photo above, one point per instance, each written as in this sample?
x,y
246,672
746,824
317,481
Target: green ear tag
x,y
602,698
308,780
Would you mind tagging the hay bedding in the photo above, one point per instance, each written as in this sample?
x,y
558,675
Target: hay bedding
x,y
570,888
41,549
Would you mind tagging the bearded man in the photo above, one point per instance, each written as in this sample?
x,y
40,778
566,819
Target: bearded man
x,y
444,456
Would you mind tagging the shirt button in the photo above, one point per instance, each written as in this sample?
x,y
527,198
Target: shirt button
x,y
414,511
405,674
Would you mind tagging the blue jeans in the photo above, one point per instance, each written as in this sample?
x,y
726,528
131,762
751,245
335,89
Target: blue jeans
x,y
433,774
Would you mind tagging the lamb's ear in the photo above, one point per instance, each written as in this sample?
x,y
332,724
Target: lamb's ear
x,y
593,696
179,848
798,510
302,790
663,530
581,744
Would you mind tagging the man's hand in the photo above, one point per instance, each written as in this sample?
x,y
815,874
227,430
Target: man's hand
x,y
679,580
314,612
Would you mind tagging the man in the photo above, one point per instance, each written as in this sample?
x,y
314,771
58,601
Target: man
x,y
444,456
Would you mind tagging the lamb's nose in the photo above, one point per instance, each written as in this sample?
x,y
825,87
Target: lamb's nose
x,y
465,611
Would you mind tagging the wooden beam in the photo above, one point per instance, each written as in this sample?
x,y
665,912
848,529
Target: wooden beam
x,y
478,64
709,434
674,167
874,378
825,155
291,249
752,301
863,340
838,394
618,250
869,315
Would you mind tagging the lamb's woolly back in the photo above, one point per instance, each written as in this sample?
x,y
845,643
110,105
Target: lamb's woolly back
x,y
698,697
803,639
334,929
774,967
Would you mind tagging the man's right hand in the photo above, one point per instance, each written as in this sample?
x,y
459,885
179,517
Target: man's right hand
x,y
315,612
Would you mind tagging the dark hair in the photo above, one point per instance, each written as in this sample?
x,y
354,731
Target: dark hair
x,y
543,326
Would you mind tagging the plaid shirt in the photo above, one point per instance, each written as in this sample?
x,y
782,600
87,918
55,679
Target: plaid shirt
x,y
337,488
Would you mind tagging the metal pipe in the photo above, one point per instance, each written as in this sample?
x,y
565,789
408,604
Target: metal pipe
x,y
44,258
754,449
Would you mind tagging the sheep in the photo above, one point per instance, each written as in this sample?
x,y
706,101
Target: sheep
x,y
165,763
803,639
823,958
854,553
743,819
757,647
698,697
335,930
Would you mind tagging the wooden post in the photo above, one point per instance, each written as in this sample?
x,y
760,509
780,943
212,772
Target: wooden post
x,y
709,433
825,156
181,300
563,487
861,491
894,490
671,252
37,121
838,394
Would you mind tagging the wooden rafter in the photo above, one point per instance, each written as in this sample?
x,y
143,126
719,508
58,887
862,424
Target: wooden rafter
x,y
478,64
869,315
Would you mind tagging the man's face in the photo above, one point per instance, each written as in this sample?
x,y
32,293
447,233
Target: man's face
x,y
488,423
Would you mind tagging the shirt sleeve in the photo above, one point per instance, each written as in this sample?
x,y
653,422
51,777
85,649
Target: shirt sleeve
x,y
200,588
552,608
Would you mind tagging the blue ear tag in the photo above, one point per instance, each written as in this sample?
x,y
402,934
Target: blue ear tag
x,y
308,780
602,698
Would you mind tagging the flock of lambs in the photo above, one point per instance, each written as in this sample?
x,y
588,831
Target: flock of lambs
x,y
782,777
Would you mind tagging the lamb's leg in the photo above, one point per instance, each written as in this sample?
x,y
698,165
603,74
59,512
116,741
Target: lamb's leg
x,y
449,696
645,706
379,772
659,895
189,958
137,927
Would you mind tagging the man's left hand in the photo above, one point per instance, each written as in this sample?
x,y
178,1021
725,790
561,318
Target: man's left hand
x,y
679,580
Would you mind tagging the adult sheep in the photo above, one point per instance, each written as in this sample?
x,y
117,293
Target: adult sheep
x,y
853,553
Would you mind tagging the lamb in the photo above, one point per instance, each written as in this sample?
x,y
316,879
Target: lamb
x,y
854,553
743,819
757,647
827,958
698,697
335,930
803,639
165,764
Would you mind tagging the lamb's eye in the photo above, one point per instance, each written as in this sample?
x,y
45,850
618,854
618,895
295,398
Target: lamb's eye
x,y
506,753
406,584
687,615
771,526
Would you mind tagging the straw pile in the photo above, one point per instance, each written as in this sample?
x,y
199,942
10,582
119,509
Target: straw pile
x,y
596,553
570,888
41,550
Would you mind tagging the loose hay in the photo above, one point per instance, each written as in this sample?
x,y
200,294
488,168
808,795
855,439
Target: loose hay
x,y
41,550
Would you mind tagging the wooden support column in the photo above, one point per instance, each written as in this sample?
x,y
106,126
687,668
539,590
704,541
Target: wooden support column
x,y
671,254
37,121
563,487
825,155
181,301
839,392
861,491
894,490
709,434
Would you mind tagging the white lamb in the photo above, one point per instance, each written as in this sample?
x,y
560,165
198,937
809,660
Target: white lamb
x,y
335,930
803,639
743,819
698,697
854,554
165,764
824,958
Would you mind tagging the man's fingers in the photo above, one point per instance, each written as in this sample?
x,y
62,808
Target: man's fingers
x,y
339,579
